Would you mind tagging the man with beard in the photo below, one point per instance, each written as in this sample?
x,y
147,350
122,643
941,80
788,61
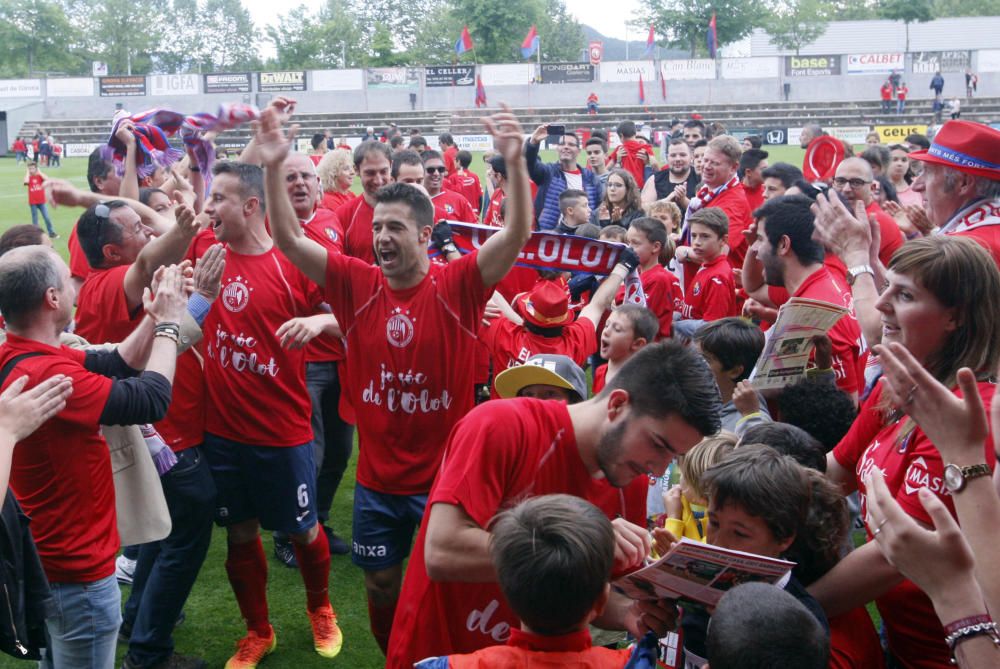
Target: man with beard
x,y
663,401
677,177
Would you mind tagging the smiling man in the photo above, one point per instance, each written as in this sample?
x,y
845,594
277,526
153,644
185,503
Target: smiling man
x,y
554,178
448,205
372,163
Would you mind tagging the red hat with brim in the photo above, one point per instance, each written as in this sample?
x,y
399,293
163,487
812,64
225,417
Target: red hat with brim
x,y
822,157
546,305
965,146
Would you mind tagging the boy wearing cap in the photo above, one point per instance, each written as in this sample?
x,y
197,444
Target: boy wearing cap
x,y
544,377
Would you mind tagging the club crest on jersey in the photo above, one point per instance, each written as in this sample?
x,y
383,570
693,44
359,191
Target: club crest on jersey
x,y
696,289
236,295
331,234
450,209
399,328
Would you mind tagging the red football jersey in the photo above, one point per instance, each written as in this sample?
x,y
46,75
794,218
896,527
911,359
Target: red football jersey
x,y
333,201
323,227
36,189
492,216
511,344
713,292
452,206
102,314
467,184
891,236
663,294
78,266
356,221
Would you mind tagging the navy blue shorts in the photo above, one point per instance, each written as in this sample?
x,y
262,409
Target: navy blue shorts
x,y
383,527
274,484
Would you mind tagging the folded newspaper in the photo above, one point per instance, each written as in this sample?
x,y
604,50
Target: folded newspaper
x,y
788,343
700,573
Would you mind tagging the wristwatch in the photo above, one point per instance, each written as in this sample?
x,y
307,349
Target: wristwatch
x,y
854,272
955,477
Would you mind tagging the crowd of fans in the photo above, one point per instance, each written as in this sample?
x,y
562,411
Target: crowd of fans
x,y
253,319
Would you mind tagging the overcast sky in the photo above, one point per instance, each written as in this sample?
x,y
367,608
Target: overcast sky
x,y
591,12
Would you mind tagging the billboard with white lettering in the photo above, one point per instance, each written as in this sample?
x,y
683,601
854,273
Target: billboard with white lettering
x,y
811,66
440,76
693,68
227,82
126,86
20,88
762,67
929,62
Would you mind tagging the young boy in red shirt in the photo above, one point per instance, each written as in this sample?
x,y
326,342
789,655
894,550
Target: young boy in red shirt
x,y
648,238
465,181
713,290
628,329
35,181
633,155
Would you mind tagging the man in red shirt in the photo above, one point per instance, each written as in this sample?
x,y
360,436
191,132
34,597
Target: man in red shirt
x,y
411,335
62,474
466,182
448,205
493,216
854,180
886,94
792,259
449,151
258,436
372,164
660,405
752,163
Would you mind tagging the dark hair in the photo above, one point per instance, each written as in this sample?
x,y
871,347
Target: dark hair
x,y
755,141
598,141
562,139
790,216
317,140
712,218
751,158
626,129
463,158
446,139
431,154
633,200
404,157
786,173
788,440
877,155
700,143
811,190
20,235
679,141
600,134
251,178
25,274
818,545
733,341
588,230
652,228
918,139
97,168
887,188
569,194
695,123
553,555
94,232
669,378
419,204
499,165
146,194
370,147
791,639
645,324
395,141
417,142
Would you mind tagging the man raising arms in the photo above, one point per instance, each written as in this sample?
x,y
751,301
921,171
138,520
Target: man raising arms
x,y
411,335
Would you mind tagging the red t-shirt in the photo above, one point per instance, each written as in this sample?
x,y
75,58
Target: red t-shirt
x,y
600,378
986,234
448,155
36,189
901,92
257,389
892,236
631,162
525,649
733,201
323,227
713,292
410,356
356,221
102,314
854,643
332,200
500,454
886,92
78,266
663,291
315,159
452,206
61,474
845,336
467,184
511,344
915,634
755,196
493,216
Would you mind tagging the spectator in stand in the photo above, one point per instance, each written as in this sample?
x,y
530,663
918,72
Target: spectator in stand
x,y
336,176
677,180
35,181
448,205
465,181
449,151
597,160
955,109
694,132
971,82
592,104
633,155
752,164
901,92
886,94
369,135
900,177
810,132
553,178
621,204
778,178
937,84
712,293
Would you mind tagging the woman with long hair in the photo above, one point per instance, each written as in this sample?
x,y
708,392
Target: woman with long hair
x,y
621,203
336,174
900,176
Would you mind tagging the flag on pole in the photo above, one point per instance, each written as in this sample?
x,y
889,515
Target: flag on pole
x,y
663,87
713,37
530,44
480,92
642,91
650,44
464,42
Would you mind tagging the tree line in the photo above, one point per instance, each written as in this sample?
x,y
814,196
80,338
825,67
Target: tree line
x,y
63,37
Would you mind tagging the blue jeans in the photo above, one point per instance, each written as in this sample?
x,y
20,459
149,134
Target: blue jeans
x,y
35,208
166,570
84,629
900,106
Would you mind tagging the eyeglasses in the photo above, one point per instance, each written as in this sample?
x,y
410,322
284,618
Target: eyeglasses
x,y
840,182
439,170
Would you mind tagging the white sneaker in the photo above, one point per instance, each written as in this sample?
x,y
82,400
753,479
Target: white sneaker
x,y
124,568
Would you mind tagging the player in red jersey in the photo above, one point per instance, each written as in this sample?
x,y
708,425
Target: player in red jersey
x,y
372,163
465,181
258,437
753,162
660,405
448,205
449,152
411,335
493,215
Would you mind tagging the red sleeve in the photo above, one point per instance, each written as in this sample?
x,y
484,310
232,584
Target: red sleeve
x,y
892,237
464,290
869,422
465,211
78,265
581,337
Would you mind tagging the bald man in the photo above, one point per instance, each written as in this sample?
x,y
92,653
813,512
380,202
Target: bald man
x,y
853,182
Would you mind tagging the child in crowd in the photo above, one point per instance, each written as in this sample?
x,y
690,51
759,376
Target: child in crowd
x,y
553,557
574,210
465,181
819,407
628,329
35,181
731,346
613,233
713,289
685,503
544,377
669,214
648,237
633,155
788,440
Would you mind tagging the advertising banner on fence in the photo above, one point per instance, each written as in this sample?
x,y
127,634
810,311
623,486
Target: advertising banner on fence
x,y
73,87
338,80
79,150
988,60
474,142
775,135
567,73
811,66
122,86
393,77
874,63
173,84
894,134
230,82
450,75
750,68
694,68
274,82
627,70
853,134
20,88
929,62
515,74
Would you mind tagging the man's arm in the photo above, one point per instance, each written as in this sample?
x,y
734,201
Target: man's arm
x,y
166,249
606,292
63,193
130,179
272,147
648,194
856,580
498,254
284,107
536,170
456,548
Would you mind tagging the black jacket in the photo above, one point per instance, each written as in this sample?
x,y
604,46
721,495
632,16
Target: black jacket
x,y
25,599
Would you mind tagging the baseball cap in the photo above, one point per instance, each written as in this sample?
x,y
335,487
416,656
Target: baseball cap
x,y
546,369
